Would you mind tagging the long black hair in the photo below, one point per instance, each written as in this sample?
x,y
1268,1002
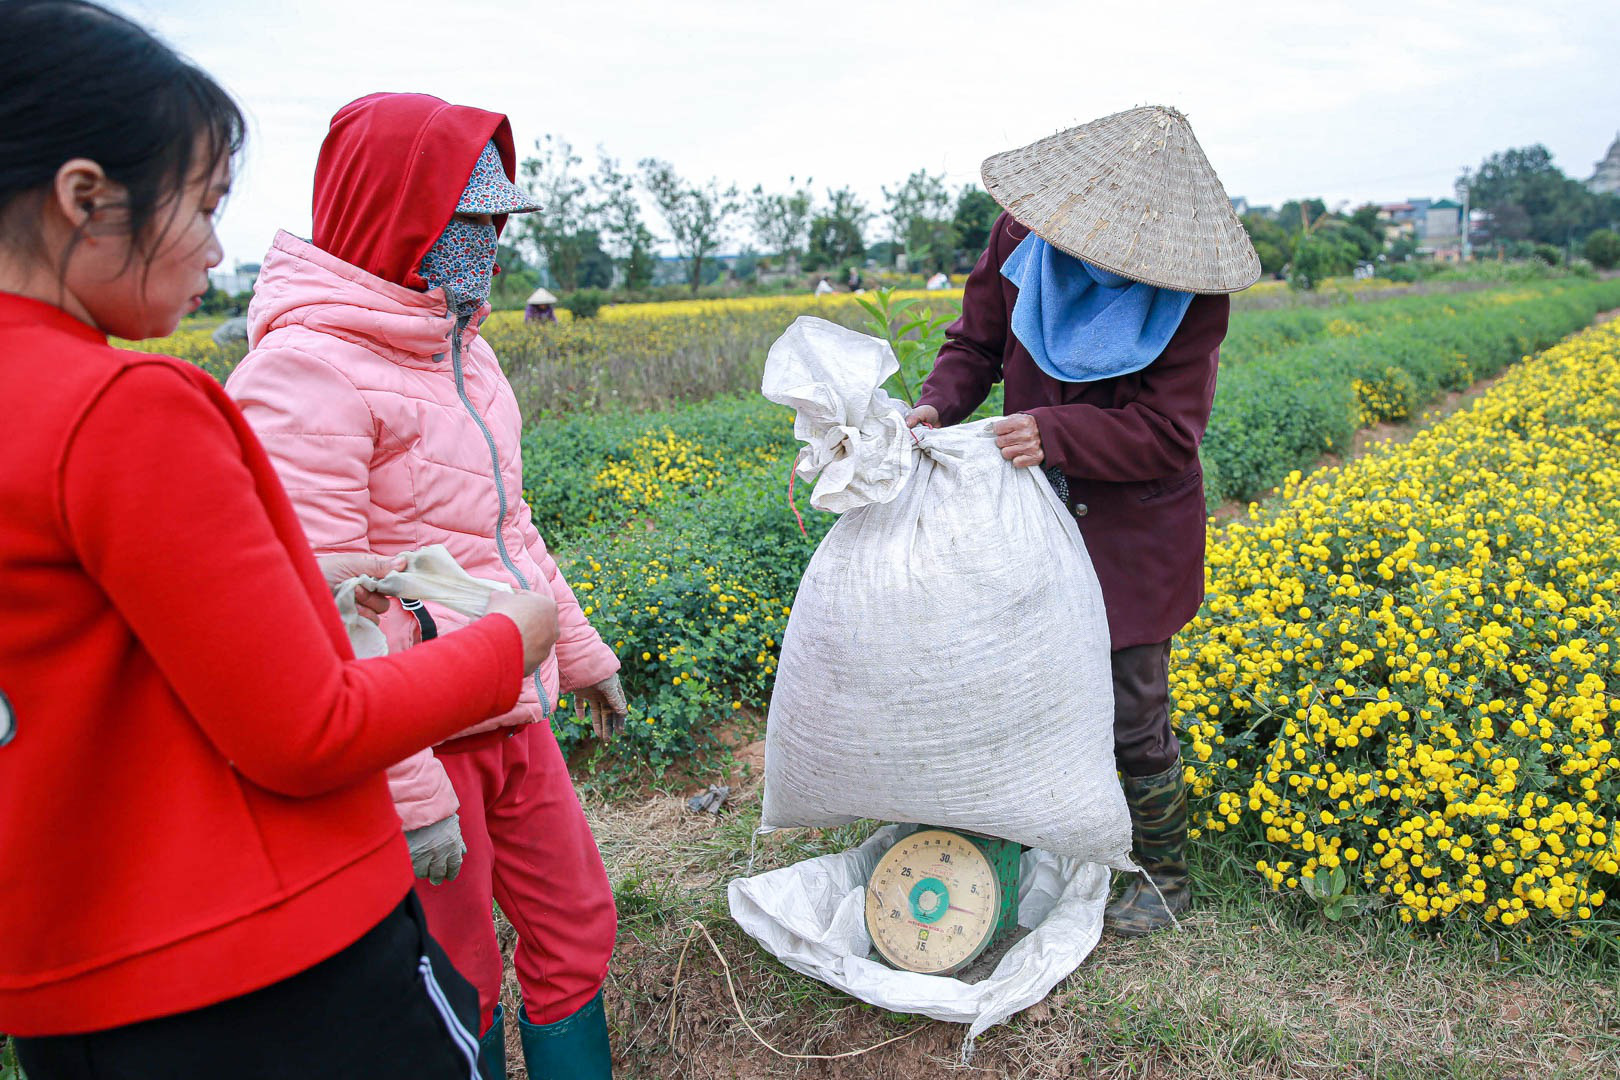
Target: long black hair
x,y
77,80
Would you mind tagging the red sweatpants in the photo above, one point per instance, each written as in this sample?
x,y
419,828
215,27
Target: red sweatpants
x,y
530,849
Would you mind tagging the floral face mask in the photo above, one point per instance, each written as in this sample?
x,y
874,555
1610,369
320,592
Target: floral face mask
x,y
462,259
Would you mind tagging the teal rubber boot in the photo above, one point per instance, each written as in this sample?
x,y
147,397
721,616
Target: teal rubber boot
x,y
575,1048
492,1048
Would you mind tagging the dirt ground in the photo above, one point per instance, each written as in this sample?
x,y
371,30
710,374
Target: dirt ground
x,y
1252,986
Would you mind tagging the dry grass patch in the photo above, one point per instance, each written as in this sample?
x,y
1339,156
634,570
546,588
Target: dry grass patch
x,y
1255,986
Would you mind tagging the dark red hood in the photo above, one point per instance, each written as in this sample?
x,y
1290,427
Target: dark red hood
x,y
391,171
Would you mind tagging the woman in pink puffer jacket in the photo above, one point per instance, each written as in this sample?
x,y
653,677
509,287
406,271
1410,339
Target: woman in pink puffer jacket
x,y
393,427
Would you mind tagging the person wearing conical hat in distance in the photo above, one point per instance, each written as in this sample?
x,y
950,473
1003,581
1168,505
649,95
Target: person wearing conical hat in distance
x,y
393,428
1102,302
541,307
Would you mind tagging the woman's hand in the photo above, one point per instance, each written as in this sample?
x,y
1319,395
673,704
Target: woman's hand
x,y
536,618
1020,440
344,565
926,415
437,850
607,707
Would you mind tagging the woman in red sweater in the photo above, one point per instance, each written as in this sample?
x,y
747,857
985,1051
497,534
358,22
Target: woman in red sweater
x,y
204,872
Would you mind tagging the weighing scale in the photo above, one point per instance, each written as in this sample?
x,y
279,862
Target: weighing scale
x,y
938,898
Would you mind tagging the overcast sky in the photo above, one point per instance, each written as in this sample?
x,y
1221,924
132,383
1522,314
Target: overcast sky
x,y
1350,101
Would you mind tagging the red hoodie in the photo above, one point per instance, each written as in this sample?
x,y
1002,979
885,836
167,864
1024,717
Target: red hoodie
x,y
431,146
192,803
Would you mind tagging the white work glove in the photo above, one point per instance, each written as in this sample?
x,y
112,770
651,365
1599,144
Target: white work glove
x,y
340,567
608,710
436,850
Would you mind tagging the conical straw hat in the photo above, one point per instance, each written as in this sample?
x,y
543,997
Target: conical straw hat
x,y
541,296
1132,193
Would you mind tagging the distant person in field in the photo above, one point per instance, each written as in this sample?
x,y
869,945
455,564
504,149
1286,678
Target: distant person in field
x,y
204,872
393,428
541,307
824,287
1101,303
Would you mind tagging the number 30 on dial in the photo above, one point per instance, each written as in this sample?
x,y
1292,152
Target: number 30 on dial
x,y
932,902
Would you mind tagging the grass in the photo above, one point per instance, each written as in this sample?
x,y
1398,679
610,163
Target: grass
x,y
1255,985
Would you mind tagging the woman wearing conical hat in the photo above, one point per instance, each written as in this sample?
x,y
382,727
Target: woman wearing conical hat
x,y
1101,301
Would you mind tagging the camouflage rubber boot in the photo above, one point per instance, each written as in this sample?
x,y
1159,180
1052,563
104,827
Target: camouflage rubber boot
x,y
1159,844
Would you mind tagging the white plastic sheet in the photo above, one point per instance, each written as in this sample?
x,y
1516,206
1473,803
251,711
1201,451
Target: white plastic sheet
x,y
811,916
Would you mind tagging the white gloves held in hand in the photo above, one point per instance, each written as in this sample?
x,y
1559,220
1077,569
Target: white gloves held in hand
x,y
436,850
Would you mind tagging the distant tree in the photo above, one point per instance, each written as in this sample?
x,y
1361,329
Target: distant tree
x,y
1319,255
215,302
713,271
1369,243
1402,248
1297,215
1602,249
781,221
1528,197
746,268
1507,223
919,212
1548,253
1366,217
1367,232
976,211
561,232
838,230
696,215
1270,241
595,265
517,279
625,237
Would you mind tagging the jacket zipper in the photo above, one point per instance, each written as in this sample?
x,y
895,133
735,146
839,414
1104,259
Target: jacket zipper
x,y
500,484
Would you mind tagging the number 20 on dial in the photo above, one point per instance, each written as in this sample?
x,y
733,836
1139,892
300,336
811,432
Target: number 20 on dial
x,y
932,902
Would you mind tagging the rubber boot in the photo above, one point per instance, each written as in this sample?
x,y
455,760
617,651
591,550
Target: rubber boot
x,y
1159,844
574,1048
492,1048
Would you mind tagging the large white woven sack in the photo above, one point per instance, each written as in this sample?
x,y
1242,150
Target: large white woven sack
x,y
946,661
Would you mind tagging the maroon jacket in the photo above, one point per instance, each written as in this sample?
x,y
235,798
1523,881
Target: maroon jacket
x,y
1129,446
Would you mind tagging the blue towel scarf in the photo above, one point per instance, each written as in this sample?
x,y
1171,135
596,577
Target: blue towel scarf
x,y
1081,323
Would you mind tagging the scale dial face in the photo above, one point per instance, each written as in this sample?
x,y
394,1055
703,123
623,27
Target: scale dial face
x,y
932,902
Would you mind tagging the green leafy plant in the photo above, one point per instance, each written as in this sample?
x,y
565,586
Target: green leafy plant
x,y
915,330
1330,888
585,303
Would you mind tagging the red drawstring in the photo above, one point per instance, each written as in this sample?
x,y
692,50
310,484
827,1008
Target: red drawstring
x,y
793,474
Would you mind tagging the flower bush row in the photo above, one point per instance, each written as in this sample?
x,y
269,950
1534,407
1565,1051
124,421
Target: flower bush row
x,y
1284,410
1406,677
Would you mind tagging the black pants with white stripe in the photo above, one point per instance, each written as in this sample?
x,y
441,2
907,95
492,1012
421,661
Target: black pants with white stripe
x,y
388,1006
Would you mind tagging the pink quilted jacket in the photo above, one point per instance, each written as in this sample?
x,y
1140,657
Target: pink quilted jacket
x,y
390,436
